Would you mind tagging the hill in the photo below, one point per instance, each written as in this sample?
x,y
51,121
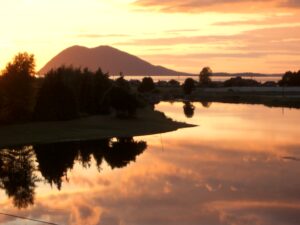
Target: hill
x,y
108,59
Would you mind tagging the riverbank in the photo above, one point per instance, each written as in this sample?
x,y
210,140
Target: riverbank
x,y
89,128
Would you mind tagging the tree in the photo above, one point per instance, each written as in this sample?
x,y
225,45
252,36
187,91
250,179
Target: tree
x,y
124,102
240,82
23,65
188,86
174,83
147,85
17,88
290,79
55,101
122,83
204,76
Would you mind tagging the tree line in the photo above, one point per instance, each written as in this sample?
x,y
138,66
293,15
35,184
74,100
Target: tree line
x,y
64,93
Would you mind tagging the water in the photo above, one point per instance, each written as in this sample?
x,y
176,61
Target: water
x,y
181,79
241,165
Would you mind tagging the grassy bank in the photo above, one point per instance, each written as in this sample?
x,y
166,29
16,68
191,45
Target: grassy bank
x,y
89,128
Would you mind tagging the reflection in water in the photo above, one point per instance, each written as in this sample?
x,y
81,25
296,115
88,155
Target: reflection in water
x,y
188,109
17,176
239,166
54,160
206,104
123,151
17,167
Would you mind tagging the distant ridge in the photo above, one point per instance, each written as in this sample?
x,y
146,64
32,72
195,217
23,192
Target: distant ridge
x,y
109,59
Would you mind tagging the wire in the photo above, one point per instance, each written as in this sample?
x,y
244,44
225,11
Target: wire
x,y
25,218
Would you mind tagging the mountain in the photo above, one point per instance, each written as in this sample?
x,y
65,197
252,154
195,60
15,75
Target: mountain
x,y
108,59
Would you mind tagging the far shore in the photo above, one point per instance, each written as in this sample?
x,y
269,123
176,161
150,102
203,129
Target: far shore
x,y
268,96
89,128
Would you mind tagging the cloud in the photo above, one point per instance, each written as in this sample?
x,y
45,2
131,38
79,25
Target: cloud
x,y
249,44
233,6
101,35
270,20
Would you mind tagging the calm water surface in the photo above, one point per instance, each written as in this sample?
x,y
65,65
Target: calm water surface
x,y
181,79
241,165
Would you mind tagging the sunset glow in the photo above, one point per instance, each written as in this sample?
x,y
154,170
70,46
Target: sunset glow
x,y
228,36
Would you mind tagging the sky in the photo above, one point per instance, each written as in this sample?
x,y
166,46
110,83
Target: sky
x,y
227,35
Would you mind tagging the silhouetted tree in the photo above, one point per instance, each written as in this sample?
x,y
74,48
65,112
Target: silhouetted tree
x,y
290,79
188,86
100,92
240,82
147,85
204,76
124,103
55,101
122,83
17,88
17,175
188,109
174,83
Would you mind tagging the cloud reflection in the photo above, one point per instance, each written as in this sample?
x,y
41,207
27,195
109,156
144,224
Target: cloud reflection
x,y
195,179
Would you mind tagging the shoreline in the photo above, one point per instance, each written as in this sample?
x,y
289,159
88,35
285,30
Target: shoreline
x,y
268,96
89,128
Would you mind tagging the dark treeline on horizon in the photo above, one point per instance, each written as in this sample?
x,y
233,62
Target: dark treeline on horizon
x,y
19,166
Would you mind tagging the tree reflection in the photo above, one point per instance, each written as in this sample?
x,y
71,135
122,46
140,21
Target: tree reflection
x,y
95,149
123,151
17,175
188,109
56,159
206,104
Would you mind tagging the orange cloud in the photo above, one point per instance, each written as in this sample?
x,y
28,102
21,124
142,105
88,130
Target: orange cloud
x,y
232,6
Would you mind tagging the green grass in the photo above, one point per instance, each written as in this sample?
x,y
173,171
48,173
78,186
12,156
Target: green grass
x,y
88,128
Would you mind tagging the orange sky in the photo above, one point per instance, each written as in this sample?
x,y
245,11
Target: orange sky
x,y
227,35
